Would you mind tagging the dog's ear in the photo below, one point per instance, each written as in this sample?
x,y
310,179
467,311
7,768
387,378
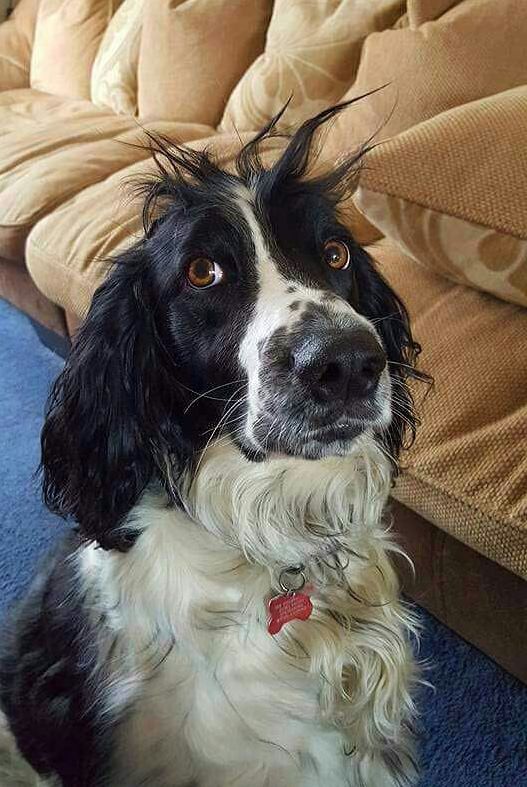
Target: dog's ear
x,y
379,303
112,418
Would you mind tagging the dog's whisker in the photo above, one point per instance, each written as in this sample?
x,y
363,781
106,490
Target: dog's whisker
x,y
206,394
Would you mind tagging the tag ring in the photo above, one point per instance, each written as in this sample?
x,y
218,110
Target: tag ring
x,y
292,571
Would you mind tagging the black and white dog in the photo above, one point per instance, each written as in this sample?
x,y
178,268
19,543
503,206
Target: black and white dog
x,y
224,433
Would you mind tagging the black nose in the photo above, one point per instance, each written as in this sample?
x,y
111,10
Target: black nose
x,y
339,365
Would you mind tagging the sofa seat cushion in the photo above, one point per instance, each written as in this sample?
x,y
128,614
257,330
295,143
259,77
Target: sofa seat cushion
x,y
67,253
467,470
53,149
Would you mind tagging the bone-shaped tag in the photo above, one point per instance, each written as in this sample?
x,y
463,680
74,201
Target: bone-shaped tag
x,y
283,609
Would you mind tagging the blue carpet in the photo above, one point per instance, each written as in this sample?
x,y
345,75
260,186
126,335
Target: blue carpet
x,y
474,722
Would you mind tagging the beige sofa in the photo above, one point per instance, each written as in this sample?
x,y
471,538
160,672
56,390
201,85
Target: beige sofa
x,y
441,207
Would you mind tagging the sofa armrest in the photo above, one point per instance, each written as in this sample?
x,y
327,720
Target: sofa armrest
x,y
16,40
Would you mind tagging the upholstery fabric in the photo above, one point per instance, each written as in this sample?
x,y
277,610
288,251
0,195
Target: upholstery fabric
x,y
311,56
467,471
40,166
421,11
67,36
114,73
439,65
458,203
16,38
192,54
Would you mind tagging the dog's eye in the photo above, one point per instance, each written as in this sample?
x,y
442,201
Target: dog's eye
x,y
336,254
203,272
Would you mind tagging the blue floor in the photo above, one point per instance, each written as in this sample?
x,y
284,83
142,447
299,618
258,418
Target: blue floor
x,y
474,722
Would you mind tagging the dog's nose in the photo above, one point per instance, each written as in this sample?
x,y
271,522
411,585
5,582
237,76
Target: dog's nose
x,y
339,365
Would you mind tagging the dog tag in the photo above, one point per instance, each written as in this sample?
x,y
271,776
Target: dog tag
x,y
283,609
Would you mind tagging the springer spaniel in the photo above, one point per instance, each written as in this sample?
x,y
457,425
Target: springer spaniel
x,y
224,433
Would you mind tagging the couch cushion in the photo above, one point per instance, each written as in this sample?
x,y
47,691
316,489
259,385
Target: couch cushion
x,y
439,65
114,72
421,11
192,54
467,471
16,38
458,203
48,156
311,56
67,36
27,109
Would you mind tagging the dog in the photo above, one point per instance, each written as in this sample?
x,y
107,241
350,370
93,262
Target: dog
x,y
224,434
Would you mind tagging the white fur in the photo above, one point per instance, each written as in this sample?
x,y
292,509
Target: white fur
x,y
214,696
211,698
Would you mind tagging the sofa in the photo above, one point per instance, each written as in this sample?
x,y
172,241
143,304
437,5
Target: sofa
x,y
440,205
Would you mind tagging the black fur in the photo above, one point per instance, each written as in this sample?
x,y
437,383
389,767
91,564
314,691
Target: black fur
x,y
48,675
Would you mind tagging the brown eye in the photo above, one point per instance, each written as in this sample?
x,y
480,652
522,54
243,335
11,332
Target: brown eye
x,y
203,272
336,254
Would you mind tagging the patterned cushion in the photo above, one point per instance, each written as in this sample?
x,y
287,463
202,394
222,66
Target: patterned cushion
x,y
114,73
457,205
311,55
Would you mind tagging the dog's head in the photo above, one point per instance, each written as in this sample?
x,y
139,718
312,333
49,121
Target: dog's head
x,y
247,309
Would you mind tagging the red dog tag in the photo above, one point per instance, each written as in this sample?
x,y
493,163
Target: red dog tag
x,y
283,609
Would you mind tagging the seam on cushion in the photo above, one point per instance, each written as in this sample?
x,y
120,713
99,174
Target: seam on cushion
x,y
14,64
442,212
15,226
426,479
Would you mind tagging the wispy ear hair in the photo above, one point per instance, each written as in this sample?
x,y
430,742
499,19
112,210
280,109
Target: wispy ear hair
x,y
177,168
295,162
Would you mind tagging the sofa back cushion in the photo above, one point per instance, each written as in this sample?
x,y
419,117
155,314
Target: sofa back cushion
x,y
457,58
16,37
311,56
67,36
192,54
114,73
451,191
421,11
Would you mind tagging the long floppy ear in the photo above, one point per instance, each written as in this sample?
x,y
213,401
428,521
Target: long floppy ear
x,y
111,422
380,304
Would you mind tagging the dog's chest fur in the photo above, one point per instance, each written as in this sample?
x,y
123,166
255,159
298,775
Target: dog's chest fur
x,y
206,696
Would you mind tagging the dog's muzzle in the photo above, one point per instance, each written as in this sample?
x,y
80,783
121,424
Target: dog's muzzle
x,y
321,385
339,367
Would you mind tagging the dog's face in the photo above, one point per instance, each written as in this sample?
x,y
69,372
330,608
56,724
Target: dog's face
x,y
266,299
248,310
